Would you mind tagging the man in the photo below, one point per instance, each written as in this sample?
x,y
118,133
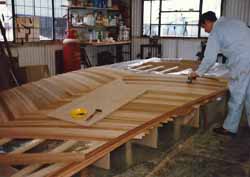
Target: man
x,y
232,38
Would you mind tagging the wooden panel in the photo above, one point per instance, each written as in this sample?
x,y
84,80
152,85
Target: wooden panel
x,y
60,133
102,98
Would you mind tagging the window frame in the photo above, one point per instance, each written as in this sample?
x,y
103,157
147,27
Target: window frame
x,y
53,24
179,11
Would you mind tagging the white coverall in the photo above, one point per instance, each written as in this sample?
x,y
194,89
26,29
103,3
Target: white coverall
x,y
232,38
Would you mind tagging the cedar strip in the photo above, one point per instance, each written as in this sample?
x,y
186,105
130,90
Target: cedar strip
x,y
97,78
4,141
27,146
41,158
29,169
60,133
47,170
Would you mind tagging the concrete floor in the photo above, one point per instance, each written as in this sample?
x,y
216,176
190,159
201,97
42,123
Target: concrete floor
x,y
196,153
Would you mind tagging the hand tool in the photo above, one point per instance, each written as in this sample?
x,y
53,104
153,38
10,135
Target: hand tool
x,y
190,79
78,113
94,113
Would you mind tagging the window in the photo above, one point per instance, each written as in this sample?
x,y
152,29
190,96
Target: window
x,y
35,20
176,18
60,18
7,20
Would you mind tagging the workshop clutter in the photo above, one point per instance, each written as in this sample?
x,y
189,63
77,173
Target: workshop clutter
x,y
98,20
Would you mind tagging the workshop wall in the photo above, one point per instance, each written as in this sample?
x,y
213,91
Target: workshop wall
x,y
37,54
172,48
183,48
238,8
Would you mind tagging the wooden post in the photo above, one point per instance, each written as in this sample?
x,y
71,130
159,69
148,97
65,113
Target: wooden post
x,y
104,162
129,153
177,128
150,140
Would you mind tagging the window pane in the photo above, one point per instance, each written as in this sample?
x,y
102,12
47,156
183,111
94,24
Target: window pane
x,y
6,11
154,30
19,10
179,18
146,29
179,30
151,17
60,18
29,3
203,33
212,5
180,5
19,2
155,12
38,3
147,12
29,11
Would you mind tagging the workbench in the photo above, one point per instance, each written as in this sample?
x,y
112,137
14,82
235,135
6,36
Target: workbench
x,y
43,145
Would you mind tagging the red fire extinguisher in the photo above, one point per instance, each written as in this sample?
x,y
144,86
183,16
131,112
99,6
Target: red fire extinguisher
x,y
71,52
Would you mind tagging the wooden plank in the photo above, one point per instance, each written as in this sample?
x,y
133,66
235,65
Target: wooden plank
x,y
4,141
7,171
107,70
141,67
110,98
60,133
27,146
31,168
155,68
168,70
42,158
135,114
174,79
94,76
47,170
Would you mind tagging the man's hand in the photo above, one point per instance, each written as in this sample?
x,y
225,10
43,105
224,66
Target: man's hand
x,y
193,75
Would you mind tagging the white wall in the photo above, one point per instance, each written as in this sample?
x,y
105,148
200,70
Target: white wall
x,y
238,8
37,54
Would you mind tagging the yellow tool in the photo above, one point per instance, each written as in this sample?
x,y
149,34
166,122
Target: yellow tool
x,y
78,113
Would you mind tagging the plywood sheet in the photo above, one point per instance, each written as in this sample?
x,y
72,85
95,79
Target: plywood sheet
x,y
107,98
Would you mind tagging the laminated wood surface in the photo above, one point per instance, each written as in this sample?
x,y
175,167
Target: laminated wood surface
x,y
49,145
107,98
164,67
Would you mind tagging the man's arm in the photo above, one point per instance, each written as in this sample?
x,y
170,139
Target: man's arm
x,y
210,55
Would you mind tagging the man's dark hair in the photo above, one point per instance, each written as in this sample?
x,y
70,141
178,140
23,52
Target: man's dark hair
x,y
210,16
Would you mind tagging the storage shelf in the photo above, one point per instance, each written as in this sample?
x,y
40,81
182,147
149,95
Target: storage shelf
x,y
105,43
90,8
93,27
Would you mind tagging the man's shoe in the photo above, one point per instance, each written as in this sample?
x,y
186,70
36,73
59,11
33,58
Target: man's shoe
x,y
223,131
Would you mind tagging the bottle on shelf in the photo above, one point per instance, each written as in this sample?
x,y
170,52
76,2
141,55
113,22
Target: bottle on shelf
x,y
109,3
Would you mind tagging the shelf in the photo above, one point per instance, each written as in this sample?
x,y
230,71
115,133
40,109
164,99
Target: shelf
x,y
93,27
105,43
89,8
